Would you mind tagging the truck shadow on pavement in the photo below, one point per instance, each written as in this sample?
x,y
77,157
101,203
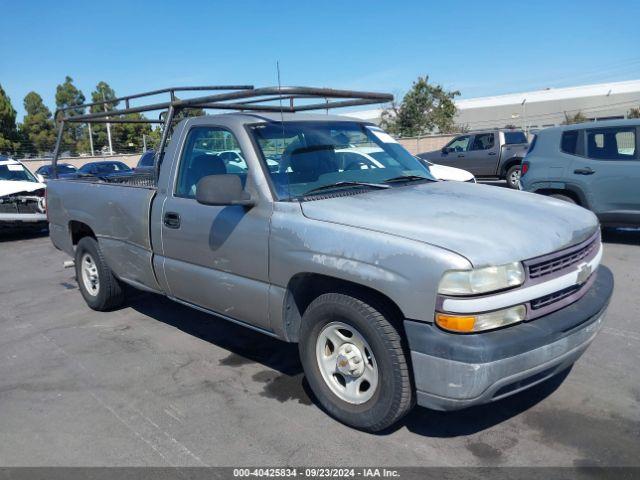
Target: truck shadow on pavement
x,y
283,377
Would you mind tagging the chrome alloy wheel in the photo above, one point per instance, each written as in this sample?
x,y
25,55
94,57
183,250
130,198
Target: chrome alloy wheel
x,y
514,178
346,363
90,278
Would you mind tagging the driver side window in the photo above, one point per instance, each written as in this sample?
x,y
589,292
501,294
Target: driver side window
x,y
208,151
460,144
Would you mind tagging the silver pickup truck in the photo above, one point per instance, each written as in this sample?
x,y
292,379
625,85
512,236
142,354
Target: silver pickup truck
x,y
397,288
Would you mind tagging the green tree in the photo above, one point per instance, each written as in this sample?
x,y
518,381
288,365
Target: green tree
x,y
425,108
634,113
575,118
127,137
37,129
68,95
8,130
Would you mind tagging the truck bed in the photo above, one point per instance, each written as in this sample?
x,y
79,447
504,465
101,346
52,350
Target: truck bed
x,y
117,211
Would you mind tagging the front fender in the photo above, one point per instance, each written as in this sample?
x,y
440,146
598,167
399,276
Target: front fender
x,y
406,271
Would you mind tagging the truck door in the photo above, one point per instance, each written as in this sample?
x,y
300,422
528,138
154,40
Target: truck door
x,y
454,153
609,174
482,156
215,257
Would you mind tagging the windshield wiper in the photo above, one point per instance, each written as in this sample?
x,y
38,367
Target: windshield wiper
x,y
343,184
407,178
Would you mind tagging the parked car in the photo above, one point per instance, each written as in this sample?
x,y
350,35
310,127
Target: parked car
x,y
442,172
45,171
594,165
362,157
146,162
397,288
22,197
489,154
104,169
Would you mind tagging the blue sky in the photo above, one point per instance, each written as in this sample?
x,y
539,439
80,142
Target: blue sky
x,y
479,48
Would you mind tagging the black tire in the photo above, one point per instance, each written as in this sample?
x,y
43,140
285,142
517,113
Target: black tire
x,y
110,293
512,173
564,198
393,396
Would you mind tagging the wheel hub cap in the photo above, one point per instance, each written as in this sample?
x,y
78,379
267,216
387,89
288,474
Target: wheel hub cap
x,y
349,360
346,363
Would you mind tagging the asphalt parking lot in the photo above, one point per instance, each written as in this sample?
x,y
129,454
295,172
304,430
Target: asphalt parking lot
x,y
156,383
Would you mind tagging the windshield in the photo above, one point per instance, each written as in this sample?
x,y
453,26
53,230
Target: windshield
x,y
15,172
306,156
147,160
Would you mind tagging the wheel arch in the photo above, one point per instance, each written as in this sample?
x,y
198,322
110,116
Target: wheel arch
x,y
79,230
507,164
305,287
570,191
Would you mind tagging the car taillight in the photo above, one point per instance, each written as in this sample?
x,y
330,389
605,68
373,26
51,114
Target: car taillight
x,y
525,168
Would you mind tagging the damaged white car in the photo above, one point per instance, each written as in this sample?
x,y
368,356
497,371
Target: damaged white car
x,y
22,197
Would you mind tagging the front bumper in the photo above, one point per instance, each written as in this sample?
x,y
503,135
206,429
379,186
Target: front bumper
x,y
11,220
454,371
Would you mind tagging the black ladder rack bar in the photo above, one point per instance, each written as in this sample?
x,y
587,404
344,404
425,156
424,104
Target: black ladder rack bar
x,y
239,97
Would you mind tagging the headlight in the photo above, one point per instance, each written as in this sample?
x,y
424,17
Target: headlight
x,y
482,280
482,321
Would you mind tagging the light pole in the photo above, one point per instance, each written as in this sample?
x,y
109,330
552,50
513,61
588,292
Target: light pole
x,y
524,116
90,139
108,125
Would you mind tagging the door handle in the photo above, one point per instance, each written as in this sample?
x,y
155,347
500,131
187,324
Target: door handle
x,y
460,156
171,220
491,153
584,171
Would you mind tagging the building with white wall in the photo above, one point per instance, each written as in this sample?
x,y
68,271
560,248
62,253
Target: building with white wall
x,y
541,108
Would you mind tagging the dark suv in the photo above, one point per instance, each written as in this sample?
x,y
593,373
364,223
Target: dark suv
x,y
595,165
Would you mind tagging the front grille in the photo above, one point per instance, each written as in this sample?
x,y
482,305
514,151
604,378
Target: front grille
x,y
8,208
554,297
19,206
562,261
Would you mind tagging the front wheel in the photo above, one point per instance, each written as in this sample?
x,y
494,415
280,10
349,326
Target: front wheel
x,y
100,288
354,362
513,177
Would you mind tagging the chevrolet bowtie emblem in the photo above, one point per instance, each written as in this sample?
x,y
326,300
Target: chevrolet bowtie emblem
x,y
584,271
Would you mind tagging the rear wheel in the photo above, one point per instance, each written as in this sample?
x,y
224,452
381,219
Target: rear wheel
x,y
354,362
513,177
564,198
100,288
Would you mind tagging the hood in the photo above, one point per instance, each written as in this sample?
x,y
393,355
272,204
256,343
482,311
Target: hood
x,y
10,187
442,172
488,225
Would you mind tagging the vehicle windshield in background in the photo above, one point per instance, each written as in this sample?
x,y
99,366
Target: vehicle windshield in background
x,y
511,138
307,156
16,172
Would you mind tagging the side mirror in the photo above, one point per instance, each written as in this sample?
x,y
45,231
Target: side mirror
x,y
445,150
40,178
222,190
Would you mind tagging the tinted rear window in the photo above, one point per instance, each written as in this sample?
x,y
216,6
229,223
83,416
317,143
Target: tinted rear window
x,y
569,142
514,137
